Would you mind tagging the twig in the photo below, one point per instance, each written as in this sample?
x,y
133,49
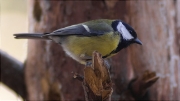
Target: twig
x,y
79,77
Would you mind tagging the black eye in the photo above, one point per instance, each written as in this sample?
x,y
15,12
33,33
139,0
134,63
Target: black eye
x,y
133,33
130,31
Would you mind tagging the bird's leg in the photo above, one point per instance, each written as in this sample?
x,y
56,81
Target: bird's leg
x,y
106,63
88,64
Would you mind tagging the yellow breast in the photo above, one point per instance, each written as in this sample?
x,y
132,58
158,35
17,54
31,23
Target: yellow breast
x,y
82,47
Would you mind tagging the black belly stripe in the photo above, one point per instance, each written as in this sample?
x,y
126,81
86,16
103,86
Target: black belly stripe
x,y
121,45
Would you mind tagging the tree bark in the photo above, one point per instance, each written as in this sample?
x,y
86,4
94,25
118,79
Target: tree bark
x,y
49,71
46,63
155,23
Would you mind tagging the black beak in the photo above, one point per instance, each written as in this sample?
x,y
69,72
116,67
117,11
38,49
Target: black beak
x,y
137,41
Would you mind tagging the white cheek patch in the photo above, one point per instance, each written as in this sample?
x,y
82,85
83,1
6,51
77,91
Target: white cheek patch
x,y
86,27
125,33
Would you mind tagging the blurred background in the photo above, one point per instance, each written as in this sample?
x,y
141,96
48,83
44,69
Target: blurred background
x,y
48,72
13,19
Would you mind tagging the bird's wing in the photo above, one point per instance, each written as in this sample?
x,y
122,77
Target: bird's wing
x,y
83,30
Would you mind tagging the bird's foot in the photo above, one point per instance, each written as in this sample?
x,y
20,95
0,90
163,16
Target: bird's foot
x,y
88,64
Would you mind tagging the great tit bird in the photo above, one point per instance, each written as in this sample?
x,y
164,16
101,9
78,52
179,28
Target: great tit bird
x,y
79,41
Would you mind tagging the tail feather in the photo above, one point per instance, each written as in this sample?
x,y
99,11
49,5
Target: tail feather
x,y
30,36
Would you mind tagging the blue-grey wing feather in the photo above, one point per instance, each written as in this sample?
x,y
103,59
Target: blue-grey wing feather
x,y
80,30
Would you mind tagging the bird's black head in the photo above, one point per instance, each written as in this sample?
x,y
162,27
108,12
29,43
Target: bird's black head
x,y
127,33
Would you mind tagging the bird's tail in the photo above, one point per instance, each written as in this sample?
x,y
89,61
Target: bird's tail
x,y
30,36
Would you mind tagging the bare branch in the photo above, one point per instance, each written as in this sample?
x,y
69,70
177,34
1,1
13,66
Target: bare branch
x,y
12,74
79,77
139,86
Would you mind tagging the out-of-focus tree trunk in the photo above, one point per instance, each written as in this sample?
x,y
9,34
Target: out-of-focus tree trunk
x,y
49,71
156,23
